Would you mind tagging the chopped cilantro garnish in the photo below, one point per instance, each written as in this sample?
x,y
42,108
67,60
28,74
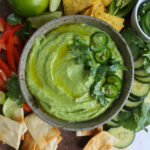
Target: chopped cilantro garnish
x,y
14,92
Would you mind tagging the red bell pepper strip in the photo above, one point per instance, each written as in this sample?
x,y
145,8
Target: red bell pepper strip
x,y
5,68
10,55
16,55
18,43
2,24
10,31
2,84
3,75
26,107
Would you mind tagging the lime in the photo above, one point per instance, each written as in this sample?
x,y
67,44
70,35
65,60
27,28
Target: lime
x,y
38,21
53,5
2,97
28,8
9,108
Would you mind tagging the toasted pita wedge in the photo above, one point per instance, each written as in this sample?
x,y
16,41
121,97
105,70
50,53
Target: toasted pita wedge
x,y
106,2
101,141
10,132
89,132
19,117
72,7
113,148
41,132
28,143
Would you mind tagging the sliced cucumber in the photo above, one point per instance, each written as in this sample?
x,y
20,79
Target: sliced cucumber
x,y
130,104
139,90
125,137
115,119
143,80
2,97
142,73
112,124
9,108
138,64
53,5
134,100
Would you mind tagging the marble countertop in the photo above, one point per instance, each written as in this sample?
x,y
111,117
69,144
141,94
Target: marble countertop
x,y
142,141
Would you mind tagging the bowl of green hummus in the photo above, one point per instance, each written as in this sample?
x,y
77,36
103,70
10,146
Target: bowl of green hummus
x,y
76,72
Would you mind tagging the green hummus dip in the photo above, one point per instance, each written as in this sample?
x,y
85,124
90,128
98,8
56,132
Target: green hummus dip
x,y
60,85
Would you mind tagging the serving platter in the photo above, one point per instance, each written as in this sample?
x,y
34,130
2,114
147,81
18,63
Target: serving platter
x,y
70,141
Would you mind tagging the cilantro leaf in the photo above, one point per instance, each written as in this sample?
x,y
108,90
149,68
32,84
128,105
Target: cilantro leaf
x,y
130,123
26,31
135,42
14,92
123,116
13,19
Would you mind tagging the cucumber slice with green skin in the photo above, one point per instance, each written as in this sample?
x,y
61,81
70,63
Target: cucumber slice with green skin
x,y
53,5
9,108
125,137
142,73
115,120
139,90
38,21
98,41
143,80
134,100
138,64
103,56
2,97
113,79
130,104
124,110
112,124
111,90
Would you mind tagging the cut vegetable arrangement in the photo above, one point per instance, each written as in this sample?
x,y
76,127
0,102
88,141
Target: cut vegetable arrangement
x,y
134,116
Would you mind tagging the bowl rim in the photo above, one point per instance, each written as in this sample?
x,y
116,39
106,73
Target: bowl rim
x,y
135,14
90,124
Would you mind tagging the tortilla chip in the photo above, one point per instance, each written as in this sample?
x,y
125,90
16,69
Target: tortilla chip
x,y
28,143
101,141
87,11
89,132
106,2
10,132
41,132
114,21
118,149
98,6
59,138
72,7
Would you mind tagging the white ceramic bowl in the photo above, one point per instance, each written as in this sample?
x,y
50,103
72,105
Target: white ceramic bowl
x,y
134,21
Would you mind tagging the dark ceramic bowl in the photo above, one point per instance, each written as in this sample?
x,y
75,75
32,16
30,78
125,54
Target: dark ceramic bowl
x,y
127,79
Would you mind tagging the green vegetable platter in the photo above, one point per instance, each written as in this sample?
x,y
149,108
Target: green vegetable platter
x,y
21,18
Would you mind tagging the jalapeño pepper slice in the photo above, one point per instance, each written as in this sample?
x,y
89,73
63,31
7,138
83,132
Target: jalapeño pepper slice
x,y
98,41
111,90
103,56
113,79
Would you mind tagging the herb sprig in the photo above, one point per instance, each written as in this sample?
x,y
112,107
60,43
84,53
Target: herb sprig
x,y
84,54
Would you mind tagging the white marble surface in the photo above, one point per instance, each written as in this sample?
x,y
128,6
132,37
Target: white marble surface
x,y
142,141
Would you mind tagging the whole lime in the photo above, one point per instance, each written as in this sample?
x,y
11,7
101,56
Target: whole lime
x,y
28,8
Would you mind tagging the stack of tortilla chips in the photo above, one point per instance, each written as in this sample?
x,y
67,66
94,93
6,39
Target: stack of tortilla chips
x,y
94,8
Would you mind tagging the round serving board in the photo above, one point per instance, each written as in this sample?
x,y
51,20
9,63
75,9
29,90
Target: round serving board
x,y
69,139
